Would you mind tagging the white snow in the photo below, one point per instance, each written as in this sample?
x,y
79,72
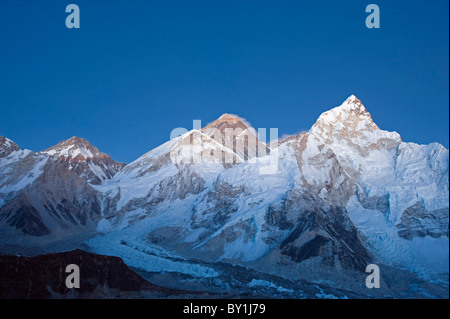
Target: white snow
x,y
323,295
70,151
9,169
269,284
426,256
146,257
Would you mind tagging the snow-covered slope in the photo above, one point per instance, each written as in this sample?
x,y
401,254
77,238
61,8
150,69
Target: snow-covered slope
x,y
172,172
345,194
18,168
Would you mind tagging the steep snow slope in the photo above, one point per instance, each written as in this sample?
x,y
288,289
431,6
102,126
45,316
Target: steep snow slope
x,y
18,168
175,170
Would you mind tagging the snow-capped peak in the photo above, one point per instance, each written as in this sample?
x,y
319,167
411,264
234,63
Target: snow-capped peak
x,y
351,111
227,120
350,116
230,130
351,124
353,104
74,147
352,99
85,159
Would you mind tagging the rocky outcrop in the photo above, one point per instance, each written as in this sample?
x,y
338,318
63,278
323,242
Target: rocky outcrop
x,y
374,202
7,147
417,221
329,236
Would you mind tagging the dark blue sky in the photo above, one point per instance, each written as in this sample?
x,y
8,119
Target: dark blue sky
x,y
137,69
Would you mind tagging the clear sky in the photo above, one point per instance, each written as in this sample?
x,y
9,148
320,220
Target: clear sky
x,y
137,69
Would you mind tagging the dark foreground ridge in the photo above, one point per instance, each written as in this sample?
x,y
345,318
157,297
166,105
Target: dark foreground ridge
x,y
44,277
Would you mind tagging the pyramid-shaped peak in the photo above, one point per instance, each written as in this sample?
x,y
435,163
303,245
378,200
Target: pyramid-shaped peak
x,y
73,147
231,131
75,140
81,157
350,115
6,142
352,98
349,110
353,103
227,120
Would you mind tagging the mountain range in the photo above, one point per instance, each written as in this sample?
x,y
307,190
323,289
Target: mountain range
x,y
205,208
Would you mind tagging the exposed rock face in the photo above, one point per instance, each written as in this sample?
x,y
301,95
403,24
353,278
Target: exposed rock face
x,y
44,277
7,146
22,215
58,202
85,160
49,194
17,170
374,202
417,221
327,235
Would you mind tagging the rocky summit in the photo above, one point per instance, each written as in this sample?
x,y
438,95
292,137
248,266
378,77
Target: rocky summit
x,y
85,159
